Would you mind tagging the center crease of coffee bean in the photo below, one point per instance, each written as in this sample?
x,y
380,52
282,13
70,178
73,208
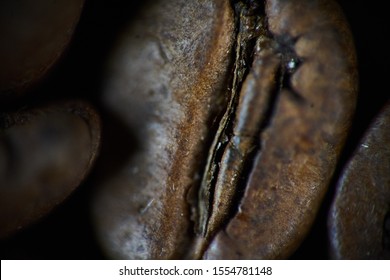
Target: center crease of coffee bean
x,y
262,67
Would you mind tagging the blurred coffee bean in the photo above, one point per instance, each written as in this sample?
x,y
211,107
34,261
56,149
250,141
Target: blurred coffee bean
x,y
44,155
33,34
359,220
163,82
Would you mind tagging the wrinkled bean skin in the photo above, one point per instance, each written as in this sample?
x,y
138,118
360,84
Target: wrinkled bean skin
x,y
34,34
359,222
149,210
45,153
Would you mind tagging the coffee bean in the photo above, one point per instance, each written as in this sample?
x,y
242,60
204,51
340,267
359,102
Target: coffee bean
x,y
33,36
241,110
300,143
165,82
359,219
45,153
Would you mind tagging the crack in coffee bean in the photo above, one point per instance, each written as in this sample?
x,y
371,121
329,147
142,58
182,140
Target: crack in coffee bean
x,y
247,22
247,114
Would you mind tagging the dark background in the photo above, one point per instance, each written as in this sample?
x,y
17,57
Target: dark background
x,y
67,232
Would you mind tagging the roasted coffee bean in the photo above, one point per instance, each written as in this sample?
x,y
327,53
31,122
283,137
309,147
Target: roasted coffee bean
x,y
241,110
163,82
359,221
301,141
33,34
45,153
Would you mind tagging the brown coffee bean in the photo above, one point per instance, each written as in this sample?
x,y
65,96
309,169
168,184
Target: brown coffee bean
x,y
241,110
165,82
44,155
359,221
33,34
300,144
